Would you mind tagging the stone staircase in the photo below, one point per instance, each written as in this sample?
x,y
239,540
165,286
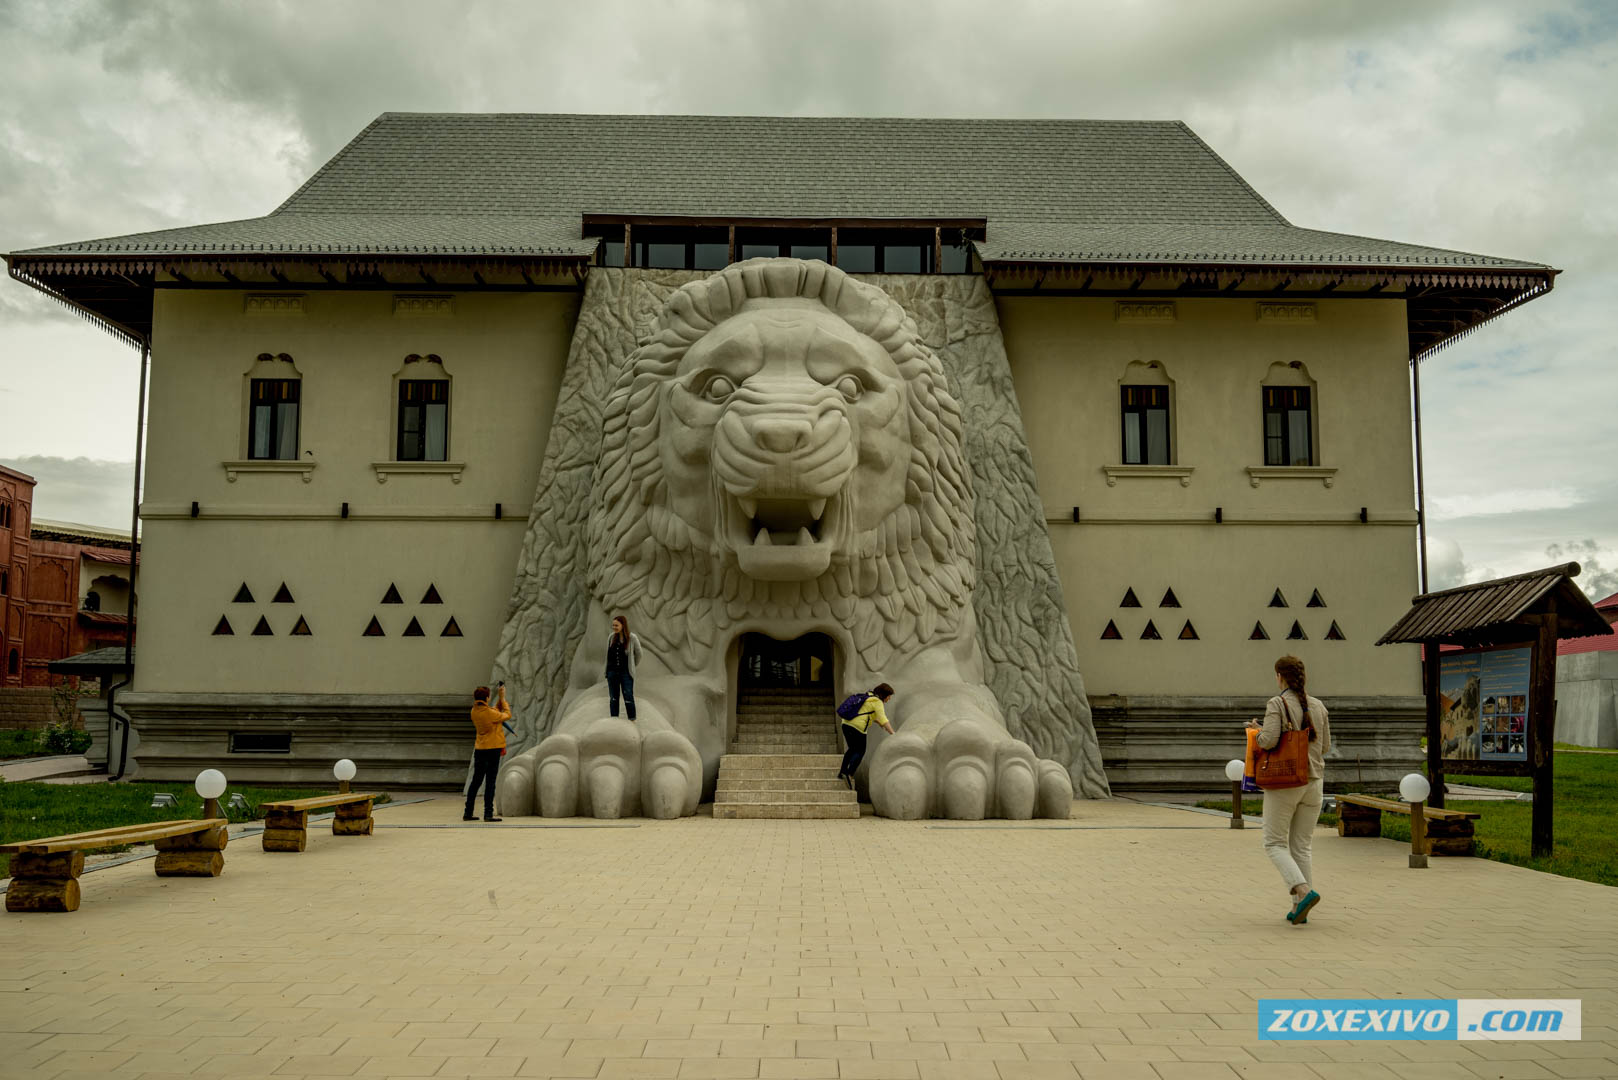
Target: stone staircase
x,y
784,761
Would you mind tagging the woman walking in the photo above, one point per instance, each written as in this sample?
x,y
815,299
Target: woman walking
x,y
856,726
1290,814
623,653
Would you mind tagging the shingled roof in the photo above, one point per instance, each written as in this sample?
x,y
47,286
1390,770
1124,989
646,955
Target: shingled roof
x,y
1049,190
1482,612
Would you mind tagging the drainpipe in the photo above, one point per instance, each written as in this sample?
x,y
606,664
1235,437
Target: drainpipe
x,y
1421,490
113,721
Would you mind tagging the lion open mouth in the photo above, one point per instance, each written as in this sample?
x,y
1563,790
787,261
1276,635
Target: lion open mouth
x,y
783,539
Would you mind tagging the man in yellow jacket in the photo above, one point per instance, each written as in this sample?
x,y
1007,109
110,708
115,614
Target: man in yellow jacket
x,y
490,723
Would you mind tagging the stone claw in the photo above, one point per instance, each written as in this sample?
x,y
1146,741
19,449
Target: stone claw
x,y
968,771
608,770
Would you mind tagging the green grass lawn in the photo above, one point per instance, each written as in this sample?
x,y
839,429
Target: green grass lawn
x,y
1586,845
27,744
30,811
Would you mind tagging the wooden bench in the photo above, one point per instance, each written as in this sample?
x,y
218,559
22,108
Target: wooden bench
x,y
286,823
1449,832
45,873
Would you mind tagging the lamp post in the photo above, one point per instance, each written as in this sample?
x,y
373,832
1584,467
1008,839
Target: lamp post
x,y
210,785
344,770
1233,772
1414,790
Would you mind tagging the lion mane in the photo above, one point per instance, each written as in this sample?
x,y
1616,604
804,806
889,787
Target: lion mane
x,y
901,585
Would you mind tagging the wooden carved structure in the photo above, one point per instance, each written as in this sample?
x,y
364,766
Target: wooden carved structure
x,y
1536,610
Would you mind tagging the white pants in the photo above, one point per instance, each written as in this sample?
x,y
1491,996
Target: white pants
x,y
1290,815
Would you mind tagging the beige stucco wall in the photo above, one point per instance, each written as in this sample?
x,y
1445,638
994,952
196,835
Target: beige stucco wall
x,y
1068,356
505,353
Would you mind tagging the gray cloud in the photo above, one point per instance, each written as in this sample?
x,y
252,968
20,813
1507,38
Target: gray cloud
x,y
1480,126
80,490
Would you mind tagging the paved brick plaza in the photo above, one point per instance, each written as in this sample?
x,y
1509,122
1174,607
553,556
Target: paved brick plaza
x,y
1129,943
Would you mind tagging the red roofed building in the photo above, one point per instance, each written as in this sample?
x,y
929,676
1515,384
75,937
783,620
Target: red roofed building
x,y
1587,685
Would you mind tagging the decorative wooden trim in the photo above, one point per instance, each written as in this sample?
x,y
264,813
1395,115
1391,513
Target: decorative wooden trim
x,y
451,469
304,468
1179,472
1280,311
272,304
405,304
1144,311
1258,473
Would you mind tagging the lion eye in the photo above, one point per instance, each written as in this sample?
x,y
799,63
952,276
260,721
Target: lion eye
x,y
718,388
850,388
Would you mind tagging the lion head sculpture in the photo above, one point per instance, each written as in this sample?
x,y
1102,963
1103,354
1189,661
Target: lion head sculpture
x,y
783,444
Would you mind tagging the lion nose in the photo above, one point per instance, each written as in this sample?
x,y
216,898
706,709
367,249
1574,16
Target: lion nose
x,y
781,436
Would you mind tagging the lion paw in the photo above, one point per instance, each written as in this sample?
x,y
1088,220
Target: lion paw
x,y
966,771
611,769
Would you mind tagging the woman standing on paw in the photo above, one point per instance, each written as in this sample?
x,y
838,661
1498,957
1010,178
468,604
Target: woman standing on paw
x,y
623,653
1290,814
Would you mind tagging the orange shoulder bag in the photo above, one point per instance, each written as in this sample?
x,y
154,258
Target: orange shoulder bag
x,y
1287,764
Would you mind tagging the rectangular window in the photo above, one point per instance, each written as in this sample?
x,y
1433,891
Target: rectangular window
x,y
1145,415
423,419
711,256
272,427
1288,426
261,742
5,582
857,258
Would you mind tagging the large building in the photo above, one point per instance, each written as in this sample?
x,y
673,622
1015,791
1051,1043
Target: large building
x,y
387,421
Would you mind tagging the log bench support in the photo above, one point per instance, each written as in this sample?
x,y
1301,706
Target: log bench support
x,y
286,824
192,854
45,882
1449,832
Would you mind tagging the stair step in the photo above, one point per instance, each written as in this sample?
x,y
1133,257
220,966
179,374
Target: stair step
x,y
827,773
783,761
787,810
754,749
843,796
745,782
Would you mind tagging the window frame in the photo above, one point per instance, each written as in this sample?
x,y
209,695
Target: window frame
x,y
1126,408
442,388
276,451
1283,411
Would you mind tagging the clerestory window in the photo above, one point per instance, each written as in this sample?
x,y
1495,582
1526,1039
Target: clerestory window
x,y
272,432
1288,426
423,420
1144,411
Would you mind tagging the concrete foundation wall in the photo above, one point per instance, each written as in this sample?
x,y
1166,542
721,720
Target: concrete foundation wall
x,y
1587,699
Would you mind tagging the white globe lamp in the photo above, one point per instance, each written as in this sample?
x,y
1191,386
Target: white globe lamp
x,y
1415,788
1234,769
344,770
210,785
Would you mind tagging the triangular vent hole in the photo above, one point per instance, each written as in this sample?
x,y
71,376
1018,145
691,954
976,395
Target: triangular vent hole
x,y
432,596
244,595
302,628
222,628
374,629
414,629
283,595
1259,633
1296,633
1188,632
1150,633
1129,599
451,628
1170,600
392,595
1278,600
1315,599
263,628
1335,633
1111,632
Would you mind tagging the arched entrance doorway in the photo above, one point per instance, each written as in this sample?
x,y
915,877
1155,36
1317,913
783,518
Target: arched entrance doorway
x,y
801,664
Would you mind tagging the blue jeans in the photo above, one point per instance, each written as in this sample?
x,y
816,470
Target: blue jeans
x,y
856,750
621,681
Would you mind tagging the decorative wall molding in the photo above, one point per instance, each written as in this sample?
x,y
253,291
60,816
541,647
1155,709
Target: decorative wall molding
x,y
1271,311
1144,311
1126,472
304,468
451,469
419,304
272,304
1258,473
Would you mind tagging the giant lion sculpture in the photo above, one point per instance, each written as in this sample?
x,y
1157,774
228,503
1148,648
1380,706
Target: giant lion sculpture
x,y
782,454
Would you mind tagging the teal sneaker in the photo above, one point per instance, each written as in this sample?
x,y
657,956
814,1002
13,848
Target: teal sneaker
x,y
1300,912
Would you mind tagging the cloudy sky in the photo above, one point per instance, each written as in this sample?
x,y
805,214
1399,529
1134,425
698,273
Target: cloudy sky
x,y
1479,126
